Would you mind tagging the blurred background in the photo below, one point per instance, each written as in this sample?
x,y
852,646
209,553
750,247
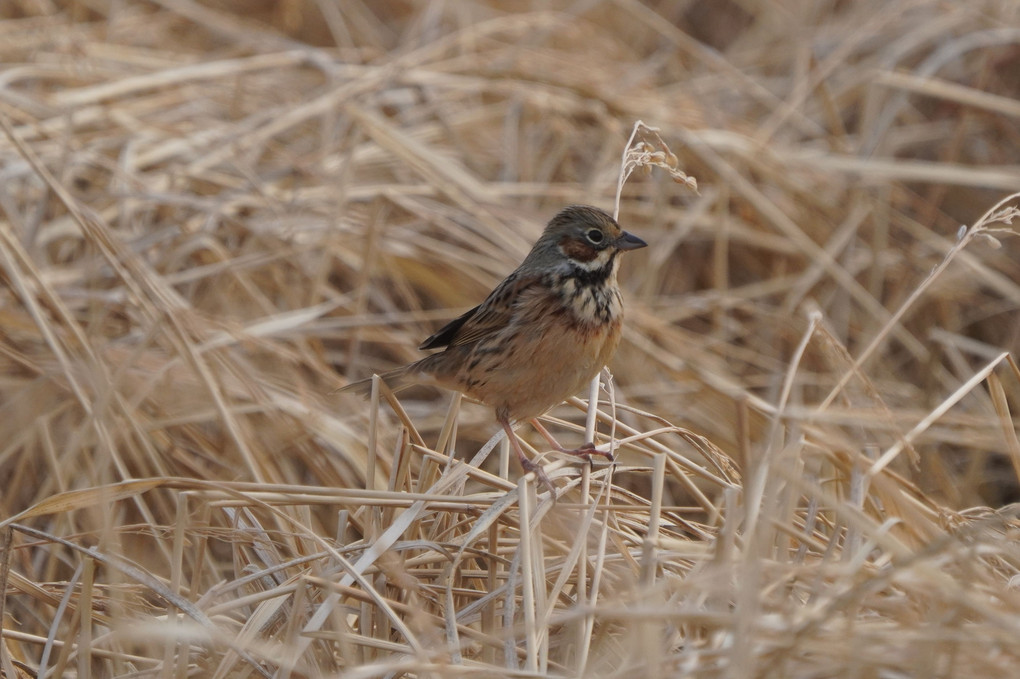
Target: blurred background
x,y
213,214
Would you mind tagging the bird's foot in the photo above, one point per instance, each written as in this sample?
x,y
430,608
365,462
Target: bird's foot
x,y
586,451
530,466
526,463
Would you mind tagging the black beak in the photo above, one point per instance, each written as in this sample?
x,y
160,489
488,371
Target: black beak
x,y
628,241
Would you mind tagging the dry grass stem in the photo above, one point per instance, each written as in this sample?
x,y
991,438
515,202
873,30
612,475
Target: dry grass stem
x,y
214,214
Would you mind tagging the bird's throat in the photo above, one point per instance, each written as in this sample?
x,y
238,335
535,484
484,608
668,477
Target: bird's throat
x,y
591,295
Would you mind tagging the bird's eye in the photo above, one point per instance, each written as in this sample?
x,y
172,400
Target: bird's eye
x,y
595,236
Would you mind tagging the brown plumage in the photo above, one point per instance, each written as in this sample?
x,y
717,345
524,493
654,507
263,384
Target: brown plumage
x,y
541,335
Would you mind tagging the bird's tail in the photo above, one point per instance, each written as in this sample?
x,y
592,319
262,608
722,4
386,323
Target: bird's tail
x,y
398,379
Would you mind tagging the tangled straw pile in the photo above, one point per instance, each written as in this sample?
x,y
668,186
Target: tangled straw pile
x,y
213,214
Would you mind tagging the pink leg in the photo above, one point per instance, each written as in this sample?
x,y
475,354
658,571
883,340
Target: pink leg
x,y
526,463
585,451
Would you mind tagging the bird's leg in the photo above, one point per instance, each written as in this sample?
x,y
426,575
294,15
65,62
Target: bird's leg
x,y
526,463
585,451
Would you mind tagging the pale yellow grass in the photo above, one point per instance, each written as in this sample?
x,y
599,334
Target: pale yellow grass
x,y
214,214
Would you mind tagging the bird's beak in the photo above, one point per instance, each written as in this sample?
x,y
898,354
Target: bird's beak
x,y
628,241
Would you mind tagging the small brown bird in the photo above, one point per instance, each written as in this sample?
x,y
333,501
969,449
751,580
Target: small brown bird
x,y
541,335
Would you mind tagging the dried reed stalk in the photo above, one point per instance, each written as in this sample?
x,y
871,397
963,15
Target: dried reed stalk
x,y
210,212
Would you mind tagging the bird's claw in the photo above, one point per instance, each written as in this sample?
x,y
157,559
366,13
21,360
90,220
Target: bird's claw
x,y
587,450
543,478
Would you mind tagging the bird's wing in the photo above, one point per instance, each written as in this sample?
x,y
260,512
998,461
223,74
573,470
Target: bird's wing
x,y
491,316
448,333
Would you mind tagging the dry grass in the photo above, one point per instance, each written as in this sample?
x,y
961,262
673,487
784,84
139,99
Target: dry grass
x,y
211,215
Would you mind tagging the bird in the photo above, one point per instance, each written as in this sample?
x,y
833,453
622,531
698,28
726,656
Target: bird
x,y
540,336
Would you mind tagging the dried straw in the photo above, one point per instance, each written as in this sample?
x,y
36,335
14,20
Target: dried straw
x,y
212,215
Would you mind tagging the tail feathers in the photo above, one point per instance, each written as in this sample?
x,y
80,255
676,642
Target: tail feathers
x,y
398,379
